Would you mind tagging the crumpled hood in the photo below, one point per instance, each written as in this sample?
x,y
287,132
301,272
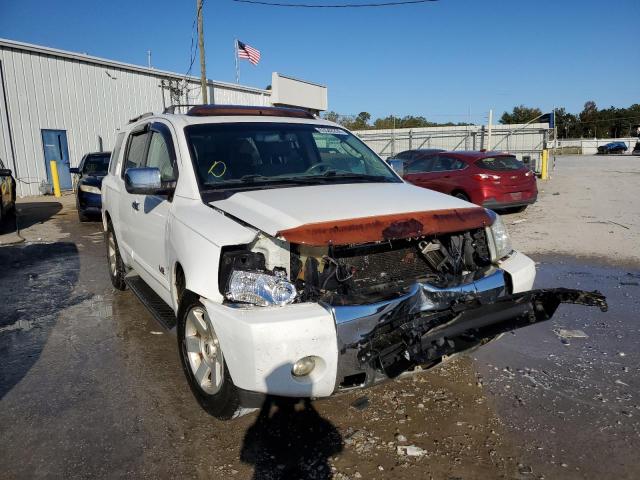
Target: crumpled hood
x,y
275,211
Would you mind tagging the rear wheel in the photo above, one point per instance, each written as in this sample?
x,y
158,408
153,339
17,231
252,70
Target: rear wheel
x,y
203,362
462,196
116,265
82,216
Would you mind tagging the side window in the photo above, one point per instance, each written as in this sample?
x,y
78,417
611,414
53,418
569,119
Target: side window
x,y
458,165
135,151
161,156
420,165
442,164
115,154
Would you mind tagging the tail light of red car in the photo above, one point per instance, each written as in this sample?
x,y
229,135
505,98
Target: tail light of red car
x,y
484,177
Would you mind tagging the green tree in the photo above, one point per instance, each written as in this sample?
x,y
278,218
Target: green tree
x,y
361,122
520,114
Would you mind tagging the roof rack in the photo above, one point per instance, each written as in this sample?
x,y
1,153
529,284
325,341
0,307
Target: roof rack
x,y
140,117
172,108
242,110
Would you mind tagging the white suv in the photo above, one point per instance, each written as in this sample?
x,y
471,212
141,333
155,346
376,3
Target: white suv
x,y
291,260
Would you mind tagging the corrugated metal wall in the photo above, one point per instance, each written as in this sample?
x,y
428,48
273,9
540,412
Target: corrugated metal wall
x,y
86,99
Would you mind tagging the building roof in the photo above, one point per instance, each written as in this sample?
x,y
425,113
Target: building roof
x,y
54,52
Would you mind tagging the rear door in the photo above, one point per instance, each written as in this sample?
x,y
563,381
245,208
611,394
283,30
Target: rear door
x,y
418,172
451,174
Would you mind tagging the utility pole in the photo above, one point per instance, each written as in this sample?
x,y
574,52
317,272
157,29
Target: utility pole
x,y
149,58
203,69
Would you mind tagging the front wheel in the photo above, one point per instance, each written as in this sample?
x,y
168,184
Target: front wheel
x,y
203,362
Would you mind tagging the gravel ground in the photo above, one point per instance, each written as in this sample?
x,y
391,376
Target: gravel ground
x,y
91,387
589,208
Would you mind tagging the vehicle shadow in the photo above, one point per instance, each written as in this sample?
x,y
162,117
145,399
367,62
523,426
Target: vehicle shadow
x,y
36,282
290,440
31,213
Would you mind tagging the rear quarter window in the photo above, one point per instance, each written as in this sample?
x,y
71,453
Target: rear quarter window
x,y
500,163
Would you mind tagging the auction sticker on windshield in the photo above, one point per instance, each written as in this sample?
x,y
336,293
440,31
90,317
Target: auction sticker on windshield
x,y
331,131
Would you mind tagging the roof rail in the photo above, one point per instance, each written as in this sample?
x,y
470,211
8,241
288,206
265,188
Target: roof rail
x,y
140,117
172,108
243,110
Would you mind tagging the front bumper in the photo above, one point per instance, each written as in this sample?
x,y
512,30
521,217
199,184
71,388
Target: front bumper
x,y
89,202
360,345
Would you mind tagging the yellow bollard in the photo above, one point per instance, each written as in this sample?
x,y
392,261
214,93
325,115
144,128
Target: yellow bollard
x,y
54,178
544,168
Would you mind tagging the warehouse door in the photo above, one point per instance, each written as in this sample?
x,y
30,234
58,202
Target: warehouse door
x,y
55,148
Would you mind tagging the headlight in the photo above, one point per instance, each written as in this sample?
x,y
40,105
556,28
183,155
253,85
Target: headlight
x,y
260,289
499,241
89,189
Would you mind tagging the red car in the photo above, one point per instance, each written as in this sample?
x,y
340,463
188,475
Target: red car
x,y
495,180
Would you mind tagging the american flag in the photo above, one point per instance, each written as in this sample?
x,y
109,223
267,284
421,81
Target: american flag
x,y
248,52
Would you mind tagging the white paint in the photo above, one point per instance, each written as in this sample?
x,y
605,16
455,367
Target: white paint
x,y
278,209
261,345
521,269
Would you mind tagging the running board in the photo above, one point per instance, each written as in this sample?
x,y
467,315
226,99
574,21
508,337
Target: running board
x,y
158,308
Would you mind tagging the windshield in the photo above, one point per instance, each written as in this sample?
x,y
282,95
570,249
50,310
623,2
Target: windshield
x,y
227,155
96,165
500,163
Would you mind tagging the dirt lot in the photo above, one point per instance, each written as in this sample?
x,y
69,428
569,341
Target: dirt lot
x,y
90,386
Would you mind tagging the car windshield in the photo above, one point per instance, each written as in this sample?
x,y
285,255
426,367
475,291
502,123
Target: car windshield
x,y
500,163
237,154
96,165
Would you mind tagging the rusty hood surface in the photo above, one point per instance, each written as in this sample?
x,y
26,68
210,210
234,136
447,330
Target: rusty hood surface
x,y
351,213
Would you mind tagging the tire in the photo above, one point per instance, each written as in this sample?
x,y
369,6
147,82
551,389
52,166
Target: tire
x,y
82,217
117,270
203,361
462,196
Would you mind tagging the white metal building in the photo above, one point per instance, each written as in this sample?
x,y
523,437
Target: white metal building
x,y
59,105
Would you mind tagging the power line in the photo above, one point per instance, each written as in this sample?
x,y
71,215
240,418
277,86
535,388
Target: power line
x,y
334,5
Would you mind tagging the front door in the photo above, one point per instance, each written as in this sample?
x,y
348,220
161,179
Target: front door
x,y
55,148
153,213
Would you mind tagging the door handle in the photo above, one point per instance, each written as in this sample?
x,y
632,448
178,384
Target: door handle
x,y
136,205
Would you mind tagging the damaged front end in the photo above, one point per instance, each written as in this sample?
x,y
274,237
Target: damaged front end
x,y
403,292
392,337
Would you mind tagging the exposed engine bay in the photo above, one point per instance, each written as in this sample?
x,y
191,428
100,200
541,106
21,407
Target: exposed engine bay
x,y
360,273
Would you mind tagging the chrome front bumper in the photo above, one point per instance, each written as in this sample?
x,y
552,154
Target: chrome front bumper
x,y
355,322
420,327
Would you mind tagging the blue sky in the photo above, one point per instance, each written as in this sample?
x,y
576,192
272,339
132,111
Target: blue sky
x,y
441,60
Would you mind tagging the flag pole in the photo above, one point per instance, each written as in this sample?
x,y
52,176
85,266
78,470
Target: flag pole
x,y
235,52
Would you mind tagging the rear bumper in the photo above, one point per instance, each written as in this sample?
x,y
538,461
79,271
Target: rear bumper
x,y
496,204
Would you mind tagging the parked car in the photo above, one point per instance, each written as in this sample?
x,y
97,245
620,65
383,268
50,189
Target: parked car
x,y
495,180
413,154
91,170
291,260
7,191
613,147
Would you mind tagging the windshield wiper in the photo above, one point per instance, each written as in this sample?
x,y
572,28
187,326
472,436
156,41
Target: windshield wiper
x,y
332,174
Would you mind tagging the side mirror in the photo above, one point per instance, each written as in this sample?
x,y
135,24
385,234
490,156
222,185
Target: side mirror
x,y
145,181
74,170
397,166
5,172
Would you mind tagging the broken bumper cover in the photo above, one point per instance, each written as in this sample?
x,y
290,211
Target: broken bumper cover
x,y
416,330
